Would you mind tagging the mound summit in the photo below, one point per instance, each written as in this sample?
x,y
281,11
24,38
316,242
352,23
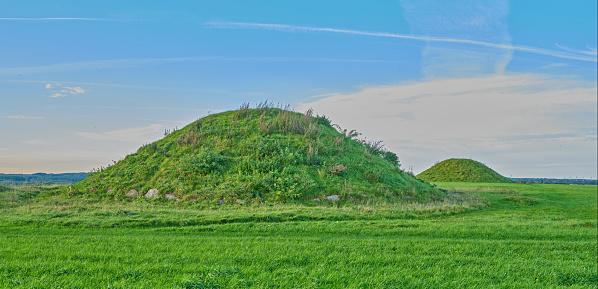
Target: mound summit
x,y
259,155
462,170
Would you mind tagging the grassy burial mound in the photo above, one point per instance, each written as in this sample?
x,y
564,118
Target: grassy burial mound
x,y
462,170
260,155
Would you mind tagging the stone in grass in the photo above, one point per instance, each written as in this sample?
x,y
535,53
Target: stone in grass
x,y
333,198
151,194
170,196
220,202
132,194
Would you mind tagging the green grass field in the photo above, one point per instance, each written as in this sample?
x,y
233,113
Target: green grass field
x,y
528,236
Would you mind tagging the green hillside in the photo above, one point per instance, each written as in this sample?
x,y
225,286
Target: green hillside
x,y
462,170
260,155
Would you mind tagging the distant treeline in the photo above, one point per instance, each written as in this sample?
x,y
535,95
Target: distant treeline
x,y
41,179
71,178
555,181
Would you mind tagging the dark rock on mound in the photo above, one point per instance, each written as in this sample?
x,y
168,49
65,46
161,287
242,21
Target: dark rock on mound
x,y
130,193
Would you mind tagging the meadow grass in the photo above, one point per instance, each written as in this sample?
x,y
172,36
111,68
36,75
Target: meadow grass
x,y
529,236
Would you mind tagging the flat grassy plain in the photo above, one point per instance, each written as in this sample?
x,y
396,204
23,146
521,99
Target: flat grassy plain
x,y
511,236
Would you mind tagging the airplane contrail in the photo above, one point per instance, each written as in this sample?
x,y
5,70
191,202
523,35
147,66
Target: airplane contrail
x,y
45,19
294,28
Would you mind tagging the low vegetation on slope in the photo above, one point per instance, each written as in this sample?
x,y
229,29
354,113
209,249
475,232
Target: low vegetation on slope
x,y
261,155
16,196
462,170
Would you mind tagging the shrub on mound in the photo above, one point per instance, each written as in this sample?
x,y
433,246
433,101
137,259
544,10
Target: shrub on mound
x,y
462,170
260,155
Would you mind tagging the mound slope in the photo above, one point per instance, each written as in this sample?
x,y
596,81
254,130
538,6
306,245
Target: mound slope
x,y
462,170
260,155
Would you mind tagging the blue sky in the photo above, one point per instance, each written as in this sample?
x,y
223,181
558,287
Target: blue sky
x,y
509,83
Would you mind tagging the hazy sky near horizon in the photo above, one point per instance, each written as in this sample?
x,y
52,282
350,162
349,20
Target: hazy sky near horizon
x,y
509,83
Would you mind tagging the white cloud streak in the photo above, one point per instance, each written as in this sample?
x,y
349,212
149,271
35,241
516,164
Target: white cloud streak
x,y
142,107
136,62
73,90
485,21
23,117
58,83
180,89
139,134
590,51
294,28
51,19
62,92
98,64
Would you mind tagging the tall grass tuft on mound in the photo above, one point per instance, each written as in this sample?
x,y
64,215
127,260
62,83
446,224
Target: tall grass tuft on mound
x,y
462,170
261,155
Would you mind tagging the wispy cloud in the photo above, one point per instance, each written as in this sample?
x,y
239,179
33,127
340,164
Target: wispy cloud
x,y
51,84
294,28
540,118
589,51
62,92
23,117
97,64
73,90
48,163
139,107
138,134
136,62
485,21
56,18
305,59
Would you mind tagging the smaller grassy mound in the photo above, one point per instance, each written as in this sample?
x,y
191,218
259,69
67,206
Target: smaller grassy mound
x,y
462,170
